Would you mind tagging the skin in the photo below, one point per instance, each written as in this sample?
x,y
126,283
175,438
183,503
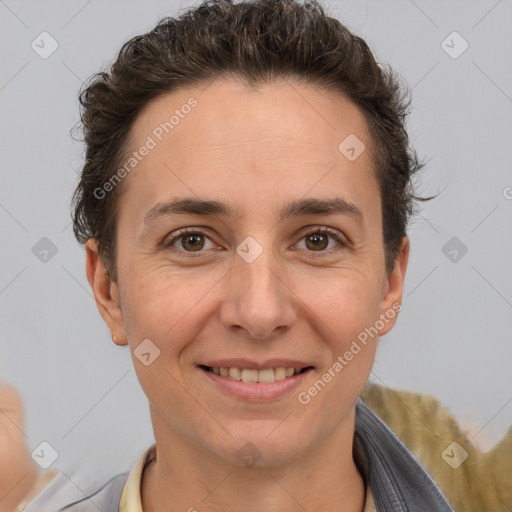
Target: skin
x,y
286,303
18,472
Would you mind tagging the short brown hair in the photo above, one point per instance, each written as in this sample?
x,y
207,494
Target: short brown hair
x,y
255,41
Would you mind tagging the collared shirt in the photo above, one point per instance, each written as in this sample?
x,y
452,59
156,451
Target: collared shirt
x,y
397,480
131,497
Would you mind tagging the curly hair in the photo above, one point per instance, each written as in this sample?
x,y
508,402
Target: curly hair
x,y
257,41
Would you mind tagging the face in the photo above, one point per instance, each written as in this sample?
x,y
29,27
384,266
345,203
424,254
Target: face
x,y
283,268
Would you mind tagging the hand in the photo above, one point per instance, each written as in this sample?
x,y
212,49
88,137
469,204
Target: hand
x,y
18,472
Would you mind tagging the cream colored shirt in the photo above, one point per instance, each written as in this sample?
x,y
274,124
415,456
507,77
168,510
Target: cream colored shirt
x,y
131,499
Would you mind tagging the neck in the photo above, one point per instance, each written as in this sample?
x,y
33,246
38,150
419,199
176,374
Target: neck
x,y
184,478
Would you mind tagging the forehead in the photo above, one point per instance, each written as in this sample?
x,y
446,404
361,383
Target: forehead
x,y
227,139
230,111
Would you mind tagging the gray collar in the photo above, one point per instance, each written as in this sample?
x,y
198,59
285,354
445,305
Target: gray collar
x,y
398,481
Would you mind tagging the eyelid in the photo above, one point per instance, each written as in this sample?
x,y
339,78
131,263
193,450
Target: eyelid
x,y
171,239
315,228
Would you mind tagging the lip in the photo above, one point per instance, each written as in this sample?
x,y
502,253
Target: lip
x,y
255,365
256,391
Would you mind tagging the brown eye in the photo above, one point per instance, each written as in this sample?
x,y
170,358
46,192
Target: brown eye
x,y
188,242
193,242
317,241
323,242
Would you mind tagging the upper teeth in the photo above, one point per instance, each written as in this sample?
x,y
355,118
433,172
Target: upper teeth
x,y
265,375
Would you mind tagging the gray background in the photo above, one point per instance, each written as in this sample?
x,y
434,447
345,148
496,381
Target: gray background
x,y
453,338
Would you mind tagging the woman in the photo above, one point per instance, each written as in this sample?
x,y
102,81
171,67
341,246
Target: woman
x,y
243,206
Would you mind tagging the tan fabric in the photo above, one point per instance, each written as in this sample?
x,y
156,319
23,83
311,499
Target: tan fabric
x,y
131,499
481,482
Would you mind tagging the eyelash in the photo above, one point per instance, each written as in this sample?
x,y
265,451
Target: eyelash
x,y
168,244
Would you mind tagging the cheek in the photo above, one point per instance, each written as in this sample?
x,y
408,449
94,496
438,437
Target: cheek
x,y
164,307
346,306
157,309
351,315
352,339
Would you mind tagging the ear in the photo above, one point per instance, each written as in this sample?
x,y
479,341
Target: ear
x,y
105,292
391,302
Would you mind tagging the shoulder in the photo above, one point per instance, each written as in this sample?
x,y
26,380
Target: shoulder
x,y
398,480
424,425
466,476
77,491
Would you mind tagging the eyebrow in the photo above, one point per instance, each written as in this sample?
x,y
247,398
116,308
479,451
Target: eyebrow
x,y
194,206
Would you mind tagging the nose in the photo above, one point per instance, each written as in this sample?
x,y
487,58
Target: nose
x,y
258,298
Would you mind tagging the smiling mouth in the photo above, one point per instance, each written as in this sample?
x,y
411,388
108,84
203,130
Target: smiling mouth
x,y
250,375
